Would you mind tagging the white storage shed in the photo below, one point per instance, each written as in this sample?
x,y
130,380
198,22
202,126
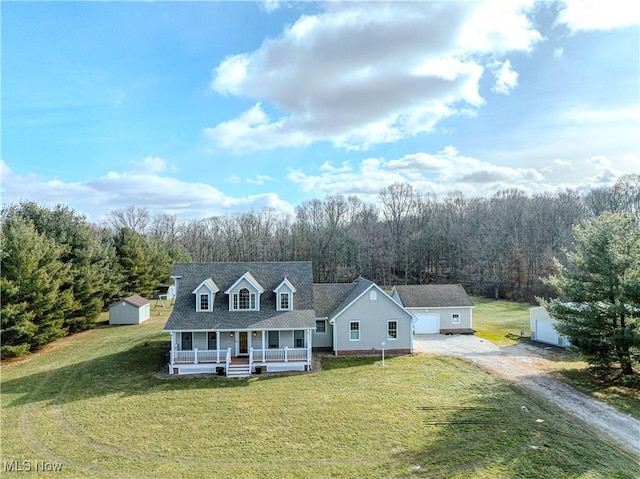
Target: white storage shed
x,y
132,310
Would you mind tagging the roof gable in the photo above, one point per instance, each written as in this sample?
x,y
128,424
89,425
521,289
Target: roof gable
x,y
210,284
287,283
249,277
433,296
331,300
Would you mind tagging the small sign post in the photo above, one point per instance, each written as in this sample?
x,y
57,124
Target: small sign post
x,y
382,353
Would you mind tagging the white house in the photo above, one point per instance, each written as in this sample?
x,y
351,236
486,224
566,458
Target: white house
x,y
241,318
132,310
543,329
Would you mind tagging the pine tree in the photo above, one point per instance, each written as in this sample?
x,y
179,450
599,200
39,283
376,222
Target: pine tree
x,y
133,257
85,253
34,302
600,311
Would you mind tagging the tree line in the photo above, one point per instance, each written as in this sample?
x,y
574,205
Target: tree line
x,y
59,271
498,246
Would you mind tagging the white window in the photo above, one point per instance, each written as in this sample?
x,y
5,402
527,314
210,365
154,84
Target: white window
x,y
455,318
243,299
285,302
354,331
204,302
373,296
392,330
298,339
284,295
321,326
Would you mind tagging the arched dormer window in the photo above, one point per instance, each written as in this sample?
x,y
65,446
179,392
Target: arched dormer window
x,y
244,299
244,294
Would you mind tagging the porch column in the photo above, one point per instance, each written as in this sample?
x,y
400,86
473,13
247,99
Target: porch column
x,y
173,347
264,333
217,346
309,346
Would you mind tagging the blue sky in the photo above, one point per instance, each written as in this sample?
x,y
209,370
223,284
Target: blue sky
x,y
209,108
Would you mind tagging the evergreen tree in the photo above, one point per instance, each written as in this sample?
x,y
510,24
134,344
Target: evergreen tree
x,y
600,311
85,253
34,301
134,257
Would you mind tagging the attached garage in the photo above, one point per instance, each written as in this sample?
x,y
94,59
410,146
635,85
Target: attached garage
x,y
437,308
543,328
427,323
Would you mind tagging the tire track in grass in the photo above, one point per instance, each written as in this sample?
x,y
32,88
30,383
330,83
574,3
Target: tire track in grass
x,y
84,438
30,437
65,425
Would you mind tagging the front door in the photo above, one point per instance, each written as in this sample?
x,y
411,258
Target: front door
x,y
243,346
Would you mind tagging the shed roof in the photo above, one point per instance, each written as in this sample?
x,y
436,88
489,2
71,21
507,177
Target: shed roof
x,y
433,295
134,300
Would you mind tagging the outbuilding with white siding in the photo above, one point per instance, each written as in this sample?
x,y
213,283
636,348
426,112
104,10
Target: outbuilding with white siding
x,y
543,329
132,310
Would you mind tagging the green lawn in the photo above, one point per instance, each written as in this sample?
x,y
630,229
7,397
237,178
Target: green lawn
x,y
495,319
94,404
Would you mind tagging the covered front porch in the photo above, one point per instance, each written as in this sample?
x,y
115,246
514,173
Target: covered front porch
x,y
239,353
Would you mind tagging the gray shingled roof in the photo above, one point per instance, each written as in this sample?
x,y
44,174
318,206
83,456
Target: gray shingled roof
x,y
268,274
433,295
329,299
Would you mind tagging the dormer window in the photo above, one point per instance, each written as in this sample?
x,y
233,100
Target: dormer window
x,y
284,295
205,299
284,301
244,299
205,293
244,294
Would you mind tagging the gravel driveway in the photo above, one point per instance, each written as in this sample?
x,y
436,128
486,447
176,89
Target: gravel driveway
x,y
528,366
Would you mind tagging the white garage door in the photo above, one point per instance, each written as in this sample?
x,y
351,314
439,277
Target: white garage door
x,y
545,332
427,324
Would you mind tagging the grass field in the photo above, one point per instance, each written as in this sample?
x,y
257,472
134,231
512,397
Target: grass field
x,y
95,405
493,320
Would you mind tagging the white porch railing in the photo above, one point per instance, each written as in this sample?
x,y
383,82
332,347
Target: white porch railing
x,y
282,355
196,356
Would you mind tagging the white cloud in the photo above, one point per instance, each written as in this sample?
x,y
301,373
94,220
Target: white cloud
x,y
584,15
439,173
253,131
98,197
361,73
506,78
260,180
152,164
